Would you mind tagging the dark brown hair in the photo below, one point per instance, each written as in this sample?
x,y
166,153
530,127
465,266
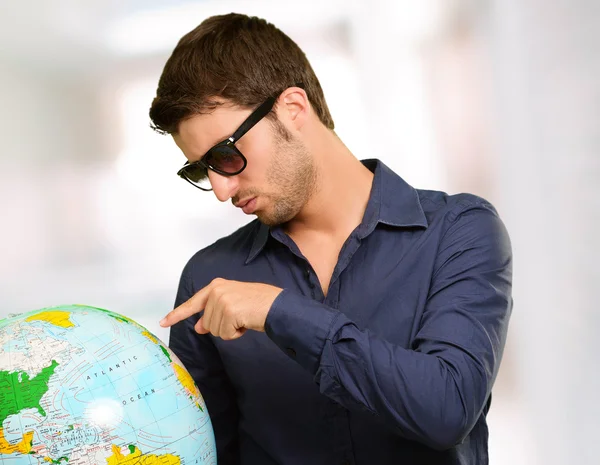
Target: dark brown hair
x,y
239,58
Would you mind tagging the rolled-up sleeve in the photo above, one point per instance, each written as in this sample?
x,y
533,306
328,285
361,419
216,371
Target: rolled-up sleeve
x,y
434,391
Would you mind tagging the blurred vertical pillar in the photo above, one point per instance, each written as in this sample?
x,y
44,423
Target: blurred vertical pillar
x,y
386,38
547,136
457,77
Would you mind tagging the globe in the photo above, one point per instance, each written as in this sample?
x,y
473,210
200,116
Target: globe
x,y
82,385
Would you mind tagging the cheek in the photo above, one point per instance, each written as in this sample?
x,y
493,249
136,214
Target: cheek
x,y
259,152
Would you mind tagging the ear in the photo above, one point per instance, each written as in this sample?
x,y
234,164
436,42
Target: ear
x,y
293,107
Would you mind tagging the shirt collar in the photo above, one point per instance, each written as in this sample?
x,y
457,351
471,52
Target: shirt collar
x,y
392,201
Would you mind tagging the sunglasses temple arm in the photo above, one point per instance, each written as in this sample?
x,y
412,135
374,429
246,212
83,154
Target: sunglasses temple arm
x,y
254,118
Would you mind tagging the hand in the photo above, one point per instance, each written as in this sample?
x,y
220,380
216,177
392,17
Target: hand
x,y
230,308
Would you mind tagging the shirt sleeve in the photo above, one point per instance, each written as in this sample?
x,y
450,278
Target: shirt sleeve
x,y
435,391
200,357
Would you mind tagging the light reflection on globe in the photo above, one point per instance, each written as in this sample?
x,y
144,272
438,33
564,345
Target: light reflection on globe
x,y
81,385
105,413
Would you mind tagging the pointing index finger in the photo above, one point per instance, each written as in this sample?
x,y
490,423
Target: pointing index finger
x,y
194,304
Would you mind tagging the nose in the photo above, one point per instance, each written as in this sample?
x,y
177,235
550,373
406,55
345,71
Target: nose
x,y
224,187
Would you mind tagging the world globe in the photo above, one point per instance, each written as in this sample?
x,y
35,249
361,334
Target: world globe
x,y
82,385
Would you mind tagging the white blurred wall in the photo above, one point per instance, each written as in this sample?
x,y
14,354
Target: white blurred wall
x,y
496,98
547,148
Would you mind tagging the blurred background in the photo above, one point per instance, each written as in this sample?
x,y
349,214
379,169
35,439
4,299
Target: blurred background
x,y
497,98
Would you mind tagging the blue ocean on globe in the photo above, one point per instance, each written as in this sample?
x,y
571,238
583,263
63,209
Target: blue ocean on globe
x,y
81,385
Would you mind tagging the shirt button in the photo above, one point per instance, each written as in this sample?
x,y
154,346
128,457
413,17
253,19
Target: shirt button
x,y
291,352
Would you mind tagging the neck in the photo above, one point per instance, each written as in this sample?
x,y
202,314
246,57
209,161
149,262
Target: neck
x,y
342,191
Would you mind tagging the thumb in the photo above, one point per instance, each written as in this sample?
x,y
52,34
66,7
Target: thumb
x,y
199,327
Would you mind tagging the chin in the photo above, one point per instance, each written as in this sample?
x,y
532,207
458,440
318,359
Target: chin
x,y
267,220
270,220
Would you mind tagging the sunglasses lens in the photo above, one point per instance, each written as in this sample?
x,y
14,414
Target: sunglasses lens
x,y
221,158
225,159
196,174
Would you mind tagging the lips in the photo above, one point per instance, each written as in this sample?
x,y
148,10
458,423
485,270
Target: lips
x,y
242,203
247,205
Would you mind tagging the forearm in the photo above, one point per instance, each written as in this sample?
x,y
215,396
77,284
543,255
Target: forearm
x,y
431,398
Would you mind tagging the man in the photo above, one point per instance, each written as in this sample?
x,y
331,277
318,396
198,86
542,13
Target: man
x,y
357,320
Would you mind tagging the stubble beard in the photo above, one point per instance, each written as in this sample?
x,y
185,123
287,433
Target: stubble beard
x,y
292,178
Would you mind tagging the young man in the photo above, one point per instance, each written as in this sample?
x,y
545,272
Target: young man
x,y
357,320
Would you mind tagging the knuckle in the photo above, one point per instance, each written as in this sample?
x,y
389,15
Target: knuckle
x,y
223,300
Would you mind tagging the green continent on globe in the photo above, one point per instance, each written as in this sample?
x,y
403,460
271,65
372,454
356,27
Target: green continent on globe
x,y
18,392
62,401
116,316
57,461
135,456
166,352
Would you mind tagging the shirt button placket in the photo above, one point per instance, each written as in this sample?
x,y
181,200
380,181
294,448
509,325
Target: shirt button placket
x,y
311,284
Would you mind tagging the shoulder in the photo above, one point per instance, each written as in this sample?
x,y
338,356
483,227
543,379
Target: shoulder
x,y
438,205
463,220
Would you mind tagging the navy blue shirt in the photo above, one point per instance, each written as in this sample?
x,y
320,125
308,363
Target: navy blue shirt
x,y
394,365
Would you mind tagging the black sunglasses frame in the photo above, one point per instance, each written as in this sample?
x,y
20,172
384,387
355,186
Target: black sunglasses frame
x,y
258,114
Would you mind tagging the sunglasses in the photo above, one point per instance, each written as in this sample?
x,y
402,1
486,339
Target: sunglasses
x,y
224,158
